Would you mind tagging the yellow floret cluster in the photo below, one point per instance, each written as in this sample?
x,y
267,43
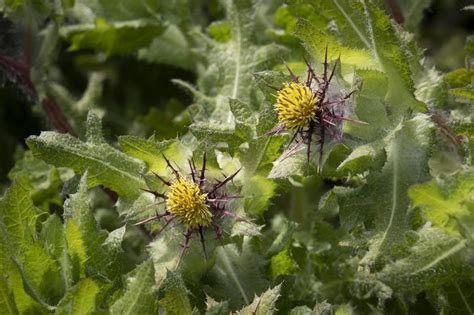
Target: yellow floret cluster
x,y
186,201
296,105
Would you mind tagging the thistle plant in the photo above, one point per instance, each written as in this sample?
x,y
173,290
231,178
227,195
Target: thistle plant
x,y
102,203
193,201
309,111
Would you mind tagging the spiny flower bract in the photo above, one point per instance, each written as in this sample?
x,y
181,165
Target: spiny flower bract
x,y
310,110
186,201
193,201
296,105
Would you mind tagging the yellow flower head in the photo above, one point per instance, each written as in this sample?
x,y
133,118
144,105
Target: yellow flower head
x,y
296,105
186,201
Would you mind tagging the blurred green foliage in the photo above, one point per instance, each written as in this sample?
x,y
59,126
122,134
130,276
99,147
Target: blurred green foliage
x,y
93,92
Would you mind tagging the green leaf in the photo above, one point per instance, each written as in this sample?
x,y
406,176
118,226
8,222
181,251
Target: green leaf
x,y
459,78
363,158
23,300
365,38
31,272
328,206
53,237
287,166
235,276
90,248
370,106
282,264
143,207
220,31
7,303
84,236
336,154
151,151
246,228
76,251
301,310
172,48
434,259
105,165
457,297
263,304
345,309
261,153
466,94
215,132
175,301
382,204
112,37
258,191
127,10
80,299
42,181
216,308
38,10
356,49
52,234
18,216
232,64
284,229
241,61
114,29
323,308
140,294
268,81
40,275
431,88
461,123
242,112
446,202
164,252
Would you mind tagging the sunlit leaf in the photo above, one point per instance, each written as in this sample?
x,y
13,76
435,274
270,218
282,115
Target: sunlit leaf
x,y
104,164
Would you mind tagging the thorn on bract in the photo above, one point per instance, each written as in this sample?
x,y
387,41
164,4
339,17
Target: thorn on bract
x,y
193,201
309,111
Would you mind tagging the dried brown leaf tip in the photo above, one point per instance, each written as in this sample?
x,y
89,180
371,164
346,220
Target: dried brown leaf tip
x,y
311,110
193,201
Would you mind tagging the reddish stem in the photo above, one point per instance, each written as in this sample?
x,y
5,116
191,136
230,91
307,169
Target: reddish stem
x,y
395,11
56,115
